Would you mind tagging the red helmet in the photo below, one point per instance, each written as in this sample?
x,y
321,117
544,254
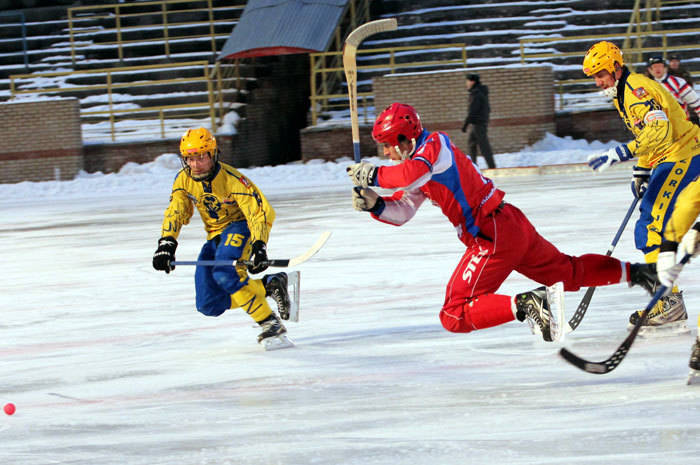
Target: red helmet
x,y
397,119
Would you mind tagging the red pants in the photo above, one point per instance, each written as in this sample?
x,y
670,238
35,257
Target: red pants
x,y
470,302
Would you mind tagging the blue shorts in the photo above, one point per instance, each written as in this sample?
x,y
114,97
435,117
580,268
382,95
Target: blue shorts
x,y
666,183
215,284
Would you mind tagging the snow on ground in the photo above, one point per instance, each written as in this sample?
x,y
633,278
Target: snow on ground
x,y
108,362
315,174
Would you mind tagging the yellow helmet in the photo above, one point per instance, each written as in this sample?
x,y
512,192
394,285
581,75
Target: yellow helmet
x,y
195,142
602,55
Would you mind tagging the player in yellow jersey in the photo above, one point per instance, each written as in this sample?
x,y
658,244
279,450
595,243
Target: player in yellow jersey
x,y
680,237
666,146
237,219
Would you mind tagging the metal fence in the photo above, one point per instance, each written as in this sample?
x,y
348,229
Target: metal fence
x,y
102,112
158,15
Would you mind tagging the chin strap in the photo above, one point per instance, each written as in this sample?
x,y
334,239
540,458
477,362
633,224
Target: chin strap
x,y
405,155
202,177
611,92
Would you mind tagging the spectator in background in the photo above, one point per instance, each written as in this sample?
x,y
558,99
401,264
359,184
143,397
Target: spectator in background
x,y
675,68
477,120
677,86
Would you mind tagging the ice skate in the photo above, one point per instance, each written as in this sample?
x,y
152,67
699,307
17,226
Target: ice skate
x,y
278,287
667,318
534,307
644,275
694,364
274,334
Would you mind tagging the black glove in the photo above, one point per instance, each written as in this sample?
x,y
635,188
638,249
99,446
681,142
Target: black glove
x,y
258,256
165,253
640,180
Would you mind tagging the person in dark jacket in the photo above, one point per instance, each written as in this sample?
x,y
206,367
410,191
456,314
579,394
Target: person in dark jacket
x,y
675,68
477,121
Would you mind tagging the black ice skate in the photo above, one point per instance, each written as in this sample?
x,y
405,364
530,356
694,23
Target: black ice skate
x,y
694,364
276,287
533,307
644,275
695,355
271,327
274,334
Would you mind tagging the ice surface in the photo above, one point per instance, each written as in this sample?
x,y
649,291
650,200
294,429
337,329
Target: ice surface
x,y
108,362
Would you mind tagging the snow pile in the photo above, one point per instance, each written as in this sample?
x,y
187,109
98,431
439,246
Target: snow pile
x,y
158,175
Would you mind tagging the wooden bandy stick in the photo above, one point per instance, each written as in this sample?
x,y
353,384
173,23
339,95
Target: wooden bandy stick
x,y
350,66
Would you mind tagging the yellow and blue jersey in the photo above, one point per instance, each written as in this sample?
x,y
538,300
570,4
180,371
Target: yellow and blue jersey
x,y
666,142
659,125
229,197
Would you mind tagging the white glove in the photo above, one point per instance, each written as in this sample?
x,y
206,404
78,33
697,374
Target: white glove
x,y
362,174
689,243
667,269
364,200
617,154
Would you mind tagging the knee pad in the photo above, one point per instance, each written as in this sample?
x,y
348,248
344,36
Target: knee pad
x,y
214,307
455,320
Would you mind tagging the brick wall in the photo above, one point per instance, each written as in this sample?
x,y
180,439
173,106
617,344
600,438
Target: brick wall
x,y
521,99
42,140
335,141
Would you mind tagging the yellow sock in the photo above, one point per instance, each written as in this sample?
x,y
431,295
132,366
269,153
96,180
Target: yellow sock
x,y
251,298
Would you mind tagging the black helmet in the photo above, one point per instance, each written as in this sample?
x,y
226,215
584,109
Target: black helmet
x,y
655,59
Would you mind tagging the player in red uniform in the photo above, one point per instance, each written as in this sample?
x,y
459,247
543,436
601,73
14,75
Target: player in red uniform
x,y
498,236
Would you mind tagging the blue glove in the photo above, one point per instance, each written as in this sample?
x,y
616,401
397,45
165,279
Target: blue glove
x,y
640,181
612,156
